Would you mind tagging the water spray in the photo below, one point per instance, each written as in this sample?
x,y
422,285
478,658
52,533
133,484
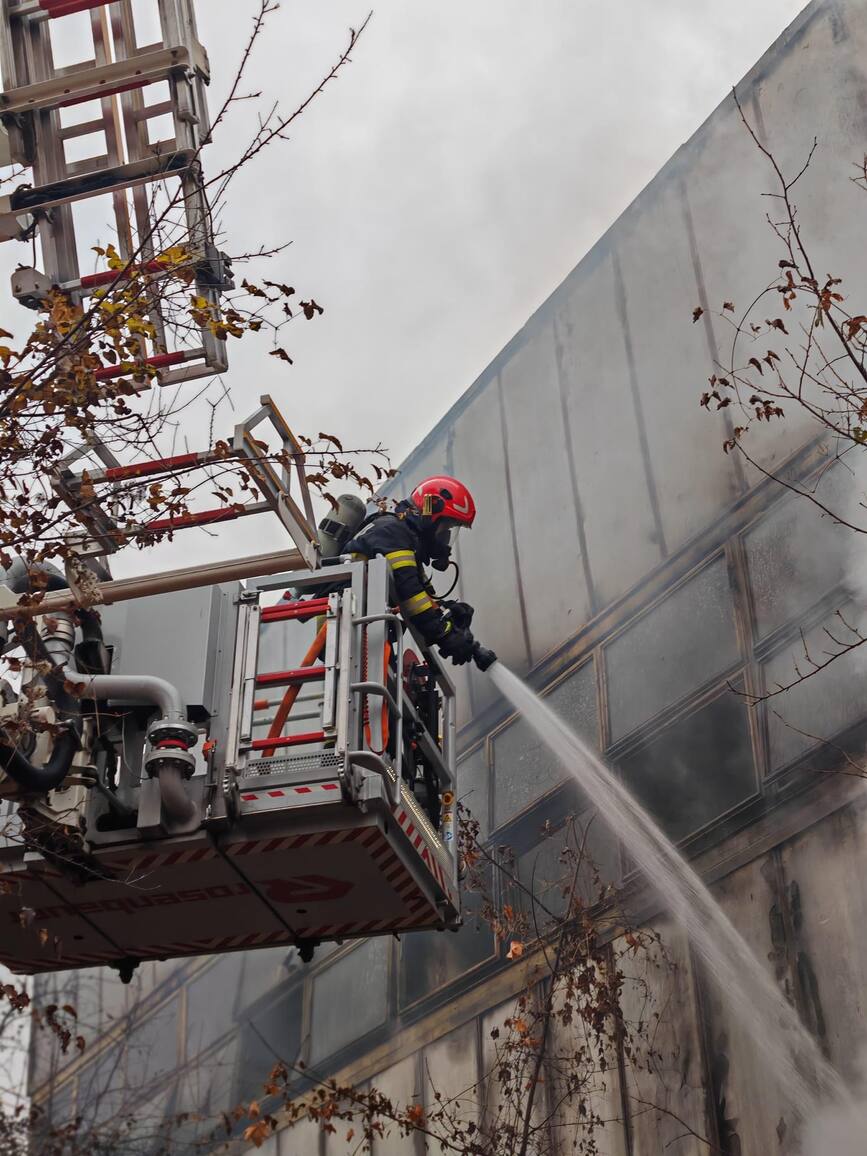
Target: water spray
x,y
805,1078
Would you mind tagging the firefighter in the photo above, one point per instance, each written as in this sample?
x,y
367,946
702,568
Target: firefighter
x,y
417,533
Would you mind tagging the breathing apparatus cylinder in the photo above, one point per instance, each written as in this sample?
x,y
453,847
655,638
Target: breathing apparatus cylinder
x,y
336,529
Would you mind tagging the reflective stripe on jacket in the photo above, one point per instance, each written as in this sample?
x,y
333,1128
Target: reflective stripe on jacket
x,y
395,539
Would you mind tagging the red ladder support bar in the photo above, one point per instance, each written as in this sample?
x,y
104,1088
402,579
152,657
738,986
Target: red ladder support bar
x,y
201,518
301,610
114,90
288,677
109,276
289,741
154,466
158,361
56,8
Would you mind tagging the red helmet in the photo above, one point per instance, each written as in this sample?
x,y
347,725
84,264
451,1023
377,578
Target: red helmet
x,y
443,497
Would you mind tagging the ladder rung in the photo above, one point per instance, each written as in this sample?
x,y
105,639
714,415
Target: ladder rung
x,y
56,8
288,677
199,518
78,188
289,741
158,361
284,611
156,466
93,83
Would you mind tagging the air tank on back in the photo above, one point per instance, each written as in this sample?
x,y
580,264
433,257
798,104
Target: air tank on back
x,y
337,528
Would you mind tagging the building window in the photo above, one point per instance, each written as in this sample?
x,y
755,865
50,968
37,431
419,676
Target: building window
x,y
431,959
681,644
473,784
270,1034
795,555
350,998
819,709
524,768
695,769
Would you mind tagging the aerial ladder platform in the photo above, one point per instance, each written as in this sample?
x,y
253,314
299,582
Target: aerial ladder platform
x,y
228,756
179,831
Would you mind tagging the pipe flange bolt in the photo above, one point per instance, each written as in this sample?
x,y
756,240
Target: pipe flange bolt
x,y
183,761
166,731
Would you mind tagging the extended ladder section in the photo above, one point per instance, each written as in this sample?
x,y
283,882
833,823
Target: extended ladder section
x,y
93,492
122,96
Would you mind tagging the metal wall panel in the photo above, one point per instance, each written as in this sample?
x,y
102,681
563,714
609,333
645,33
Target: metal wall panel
x,y
622,538
487,554
549,554
748,897
505,1114
173,636
825,868
451,1067
664,1090
402,1085
600,1098
691,477
789,103
305,1139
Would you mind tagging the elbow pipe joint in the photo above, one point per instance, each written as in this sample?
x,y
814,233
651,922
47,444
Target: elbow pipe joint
x,y
170,739
179,808
133,687
40,780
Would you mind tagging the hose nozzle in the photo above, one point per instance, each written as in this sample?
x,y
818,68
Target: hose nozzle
x,y
483,658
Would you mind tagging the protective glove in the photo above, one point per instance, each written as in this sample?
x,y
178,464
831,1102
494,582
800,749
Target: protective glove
x,y
461,613
458,645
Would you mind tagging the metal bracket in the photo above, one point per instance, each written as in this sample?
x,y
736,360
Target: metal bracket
x,y
276,485
94,512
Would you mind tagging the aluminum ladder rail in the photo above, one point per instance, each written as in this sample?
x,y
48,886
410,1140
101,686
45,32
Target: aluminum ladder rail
x,y
120,72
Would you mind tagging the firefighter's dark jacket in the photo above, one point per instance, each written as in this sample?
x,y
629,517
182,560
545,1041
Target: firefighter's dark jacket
x,y
398,538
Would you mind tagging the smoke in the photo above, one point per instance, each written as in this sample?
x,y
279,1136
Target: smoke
x,y
840,1130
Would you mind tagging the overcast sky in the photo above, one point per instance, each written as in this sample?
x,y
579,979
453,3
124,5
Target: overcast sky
x,y
443,186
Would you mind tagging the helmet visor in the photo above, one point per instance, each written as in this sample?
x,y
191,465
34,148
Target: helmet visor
x,y
445,535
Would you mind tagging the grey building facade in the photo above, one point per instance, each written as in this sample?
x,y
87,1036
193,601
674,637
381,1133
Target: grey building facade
x,y
646,582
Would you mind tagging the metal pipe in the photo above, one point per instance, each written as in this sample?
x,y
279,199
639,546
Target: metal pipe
x,y
178,805
58,635
132,687
41,780
167,582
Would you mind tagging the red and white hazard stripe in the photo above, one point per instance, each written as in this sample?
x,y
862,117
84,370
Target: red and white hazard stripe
x,y
287,792
135,863
420,843
287,842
